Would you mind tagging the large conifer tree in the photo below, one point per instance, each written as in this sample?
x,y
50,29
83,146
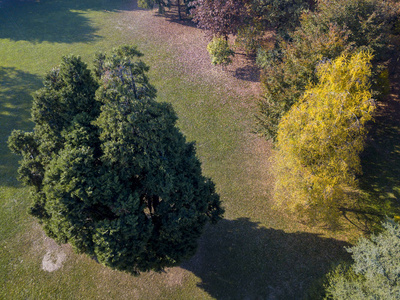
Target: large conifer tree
x,y
110,172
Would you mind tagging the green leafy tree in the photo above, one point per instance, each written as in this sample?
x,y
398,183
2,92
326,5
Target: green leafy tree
x,y
110,173
249,38
371,23
291,67
320,139
220,51
375,273
334,28
149,4
282,15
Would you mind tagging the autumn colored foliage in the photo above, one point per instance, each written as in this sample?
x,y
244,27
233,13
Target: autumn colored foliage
x,y
320,139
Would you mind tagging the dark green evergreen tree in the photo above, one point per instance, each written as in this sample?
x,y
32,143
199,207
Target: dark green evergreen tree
x,y
110,172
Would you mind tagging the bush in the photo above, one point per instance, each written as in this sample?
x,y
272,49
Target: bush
x,y
375,273
220,52
249,38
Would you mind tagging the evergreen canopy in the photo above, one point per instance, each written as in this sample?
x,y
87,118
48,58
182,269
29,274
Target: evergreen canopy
x,y
110,172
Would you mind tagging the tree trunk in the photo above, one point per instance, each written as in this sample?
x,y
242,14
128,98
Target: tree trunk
x,y
179,10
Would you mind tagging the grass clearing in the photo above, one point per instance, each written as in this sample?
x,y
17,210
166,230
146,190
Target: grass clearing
x,y
254,253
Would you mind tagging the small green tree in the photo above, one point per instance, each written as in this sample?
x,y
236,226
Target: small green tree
x,y
220,52
375,273
282,15
149,4
249,38
110,172
321,137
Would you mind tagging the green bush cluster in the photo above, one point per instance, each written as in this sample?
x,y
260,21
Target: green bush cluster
x,y
220,52
375,272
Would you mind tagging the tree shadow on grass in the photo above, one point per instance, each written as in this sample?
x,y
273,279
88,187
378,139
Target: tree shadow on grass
x,y
58,21
15,106
381,171
381,158
249,72
240,260
172,16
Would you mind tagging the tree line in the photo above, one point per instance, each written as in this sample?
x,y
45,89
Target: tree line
x,y
322,83
316,114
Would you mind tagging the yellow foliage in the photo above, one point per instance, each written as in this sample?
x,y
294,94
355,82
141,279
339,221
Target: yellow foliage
x,y
320,139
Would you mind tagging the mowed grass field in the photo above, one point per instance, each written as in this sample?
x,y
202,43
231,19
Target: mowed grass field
x,y
254,253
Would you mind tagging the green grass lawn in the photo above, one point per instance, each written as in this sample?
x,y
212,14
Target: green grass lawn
x,y
255,253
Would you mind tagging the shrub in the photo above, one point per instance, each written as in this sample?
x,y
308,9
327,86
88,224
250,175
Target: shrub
x,y
375,273
220,52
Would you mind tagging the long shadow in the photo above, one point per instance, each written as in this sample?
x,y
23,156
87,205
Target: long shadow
x,y
381,171
172,16
15,105
381,157
249,72
58,21
240,260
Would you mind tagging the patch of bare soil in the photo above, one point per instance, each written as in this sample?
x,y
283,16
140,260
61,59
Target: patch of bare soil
x,y
55,255
52,255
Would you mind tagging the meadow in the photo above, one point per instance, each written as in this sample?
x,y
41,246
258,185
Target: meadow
x,y
256,252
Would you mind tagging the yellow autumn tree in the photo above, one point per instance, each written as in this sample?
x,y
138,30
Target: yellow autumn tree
x,y
320,138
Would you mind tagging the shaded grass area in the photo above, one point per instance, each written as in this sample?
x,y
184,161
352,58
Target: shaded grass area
x,y
381,170
381,157
240,259
55,21
254,253
15,105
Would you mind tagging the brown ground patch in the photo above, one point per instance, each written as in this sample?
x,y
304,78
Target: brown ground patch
x,y
54,257
189,43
